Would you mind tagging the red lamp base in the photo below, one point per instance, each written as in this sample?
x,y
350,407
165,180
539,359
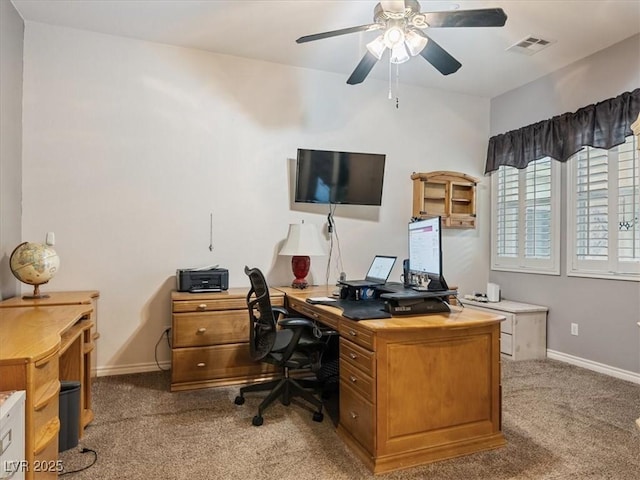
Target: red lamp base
x,y
300,266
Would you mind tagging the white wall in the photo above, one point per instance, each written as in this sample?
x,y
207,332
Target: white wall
x,y
11,44
129,146
605,310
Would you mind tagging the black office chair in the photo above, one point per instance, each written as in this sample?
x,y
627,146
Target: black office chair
x,y
298,344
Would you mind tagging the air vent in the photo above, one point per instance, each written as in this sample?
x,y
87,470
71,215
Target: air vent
x,y
530,45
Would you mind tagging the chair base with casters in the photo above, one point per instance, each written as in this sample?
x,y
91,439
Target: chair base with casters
x,y
289,343
284,388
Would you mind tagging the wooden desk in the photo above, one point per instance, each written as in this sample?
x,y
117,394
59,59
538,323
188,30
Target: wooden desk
x,y
81,297
39,346
414,389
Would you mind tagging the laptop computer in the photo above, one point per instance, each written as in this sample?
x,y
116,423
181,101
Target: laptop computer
x,y
377,274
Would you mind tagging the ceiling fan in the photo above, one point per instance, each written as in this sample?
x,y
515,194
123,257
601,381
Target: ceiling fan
x,y
403,26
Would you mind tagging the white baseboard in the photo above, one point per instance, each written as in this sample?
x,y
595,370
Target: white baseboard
x,y
135,368
595,366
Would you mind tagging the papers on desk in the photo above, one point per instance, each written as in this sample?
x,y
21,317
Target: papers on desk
x,y
314,300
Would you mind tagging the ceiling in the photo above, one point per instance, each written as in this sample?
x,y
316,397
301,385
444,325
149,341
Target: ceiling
x,y
267,29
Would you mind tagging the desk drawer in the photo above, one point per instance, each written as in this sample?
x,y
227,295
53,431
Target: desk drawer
x,y
353,332
47,460
219,301
209,305
360,381
303,308
46,370
506,343
357,356
507,325
357,416
207,363
44,416
210,328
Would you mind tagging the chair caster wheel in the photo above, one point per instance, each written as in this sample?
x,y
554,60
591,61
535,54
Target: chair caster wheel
x,y
318,416
257,421
239,400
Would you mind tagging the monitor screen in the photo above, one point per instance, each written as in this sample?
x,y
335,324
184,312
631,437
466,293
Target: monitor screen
x,y
425,251
339,177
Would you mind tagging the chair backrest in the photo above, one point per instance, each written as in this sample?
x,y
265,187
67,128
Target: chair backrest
x,y
262,320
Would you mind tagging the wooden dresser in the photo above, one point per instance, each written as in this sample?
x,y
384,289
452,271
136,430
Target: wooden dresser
x,y
210,340
414,389
41,345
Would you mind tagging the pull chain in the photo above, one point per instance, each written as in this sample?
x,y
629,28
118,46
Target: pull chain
x,y
391,83
397,84
211,232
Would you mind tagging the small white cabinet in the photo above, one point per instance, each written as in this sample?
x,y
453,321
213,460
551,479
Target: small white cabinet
x,y
523,335
12,435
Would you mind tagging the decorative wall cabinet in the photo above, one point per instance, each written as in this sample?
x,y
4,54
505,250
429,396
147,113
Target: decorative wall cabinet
x,y
451,195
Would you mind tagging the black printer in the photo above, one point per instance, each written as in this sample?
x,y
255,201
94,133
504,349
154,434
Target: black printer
x,y
202,280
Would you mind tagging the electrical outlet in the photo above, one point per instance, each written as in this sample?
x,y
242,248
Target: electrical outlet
x,y
574,329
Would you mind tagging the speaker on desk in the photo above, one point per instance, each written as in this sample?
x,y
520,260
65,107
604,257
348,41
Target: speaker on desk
x,y
406,276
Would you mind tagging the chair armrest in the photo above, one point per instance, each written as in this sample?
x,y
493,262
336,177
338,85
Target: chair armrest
x,y
281,310
328,332
294,322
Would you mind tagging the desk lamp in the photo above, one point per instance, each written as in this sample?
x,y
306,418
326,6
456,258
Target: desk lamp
x,y
303,241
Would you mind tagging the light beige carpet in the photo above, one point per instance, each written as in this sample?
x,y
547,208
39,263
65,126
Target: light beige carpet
x,y
560,421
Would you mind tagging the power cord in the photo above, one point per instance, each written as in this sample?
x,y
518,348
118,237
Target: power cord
x,y
82,450
165,333
333,233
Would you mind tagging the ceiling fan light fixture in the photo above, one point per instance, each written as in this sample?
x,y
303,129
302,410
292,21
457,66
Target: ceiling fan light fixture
x,y
393,36
415,42
377,47
399,54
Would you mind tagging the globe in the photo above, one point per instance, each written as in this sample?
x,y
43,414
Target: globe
x,y
34,264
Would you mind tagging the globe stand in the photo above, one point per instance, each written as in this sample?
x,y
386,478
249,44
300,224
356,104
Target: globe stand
x,y
36,294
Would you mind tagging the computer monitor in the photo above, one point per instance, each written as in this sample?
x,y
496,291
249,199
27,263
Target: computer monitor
x,y
425,254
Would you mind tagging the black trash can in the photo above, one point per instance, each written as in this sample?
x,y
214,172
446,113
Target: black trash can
x,y
69,414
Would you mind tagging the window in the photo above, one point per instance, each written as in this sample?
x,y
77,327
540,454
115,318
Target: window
x,y
526,218
603,199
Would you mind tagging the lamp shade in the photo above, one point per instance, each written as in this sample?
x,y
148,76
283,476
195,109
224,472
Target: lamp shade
x,y
303,239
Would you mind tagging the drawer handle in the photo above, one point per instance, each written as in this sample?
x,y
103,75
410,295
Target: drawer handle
x,y
353,356
201,364
353,379
201,331
354,415
352,333
202,306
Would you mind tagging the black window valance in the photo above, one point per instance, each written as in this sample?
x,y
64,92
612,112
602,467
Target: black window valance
x,y
602,125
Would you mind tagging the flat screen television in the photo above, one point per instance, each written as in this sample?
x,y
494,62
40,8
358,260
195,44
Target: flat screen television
x,y
324,176
425,254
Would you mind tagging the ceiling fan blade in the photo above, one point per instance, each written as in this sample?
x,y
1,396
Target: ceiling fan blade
x,y
363,69
335,33
486,17
440,58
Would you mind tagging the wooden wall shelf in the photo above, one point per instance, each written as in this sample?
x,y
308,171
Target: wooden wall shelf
x,y
451,195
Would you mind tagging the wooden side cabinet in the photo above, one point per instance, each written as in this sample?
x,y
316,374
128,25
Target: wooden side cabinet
x,y
523,335
210,340
451,195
